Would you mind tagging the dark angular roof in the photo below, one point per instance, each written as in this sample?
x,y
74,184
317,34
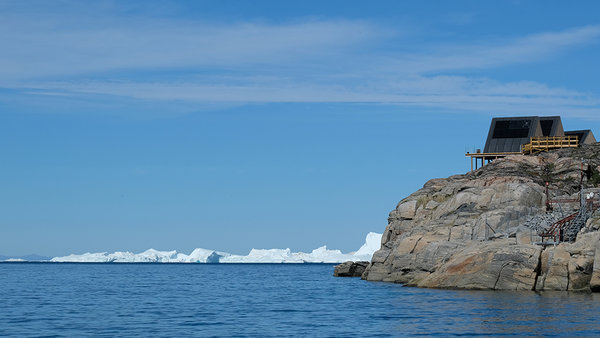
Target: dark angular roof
x,y
585,136
507,134
551,126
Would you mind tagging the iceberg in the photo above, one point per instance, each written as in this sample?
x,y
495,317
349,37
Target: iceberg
x,y
366,251
149,256
199,255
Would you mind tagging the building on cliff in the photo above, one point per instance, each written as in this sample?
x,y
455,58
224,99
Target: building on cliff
x,y
527,135
585,136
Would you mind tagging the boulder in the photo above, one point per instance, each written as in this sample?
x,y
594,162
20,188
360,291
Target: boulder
x,y
595,279
498,265
407,210
581,263
554,269
350,269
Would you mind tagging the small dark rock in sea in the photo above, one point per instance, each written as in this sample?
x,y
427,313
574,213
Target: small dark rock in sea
x,y
350,269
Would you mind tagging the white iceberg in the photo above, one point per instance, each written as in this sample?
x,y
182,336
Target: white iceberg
x,y
319,255
149,256
366,251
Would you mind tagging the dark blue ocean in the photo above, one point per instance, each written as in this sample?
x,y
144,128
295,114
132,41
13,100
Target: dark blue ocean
x,y
203,300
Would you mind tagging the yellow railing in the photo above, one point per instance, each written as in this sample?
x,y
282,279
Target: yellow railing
x,y
544,143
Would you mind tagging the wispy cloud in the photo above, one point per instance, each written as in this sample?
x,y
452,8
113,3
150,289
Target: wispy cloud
x,y
151,59
526,49
33,52
442,92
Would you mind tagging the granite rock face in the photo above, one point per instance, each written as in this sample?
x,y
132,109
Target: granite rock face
x,y
496,265
477,231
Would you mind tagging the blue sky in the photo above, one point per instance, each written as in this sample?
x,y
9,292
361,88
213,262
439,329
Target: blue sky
x,y
229,125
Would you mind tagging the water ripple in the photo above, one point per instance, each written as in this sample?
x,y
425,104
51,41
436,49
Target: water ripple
x,y
266,300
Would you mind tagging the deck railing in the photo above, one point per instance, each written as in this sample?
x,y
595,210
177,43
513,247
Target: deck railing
x,y
544,143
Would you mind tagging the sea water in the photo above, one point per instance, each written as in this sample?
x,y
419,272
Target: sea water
x,y
58,299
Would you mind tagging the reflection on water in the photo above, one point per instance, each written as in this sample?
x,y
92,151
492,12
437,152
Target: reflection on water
x,y
270,299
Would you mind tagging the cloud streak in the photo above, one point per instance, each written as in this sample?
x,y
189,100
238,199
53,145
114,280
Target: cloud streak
x,y
167,45
483,55
442,93
193,63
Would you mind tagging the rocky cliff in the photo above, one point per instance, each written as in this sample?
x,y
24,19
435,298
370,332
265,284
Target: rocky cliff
x,y
478,230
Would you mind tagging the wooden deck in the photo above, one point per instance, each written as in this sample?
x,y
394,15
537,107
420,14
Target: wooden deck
x,y
535,145
487,156
545,143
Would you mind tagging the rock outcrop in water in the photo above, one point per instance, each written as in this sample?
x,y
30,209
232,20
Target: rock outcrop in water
x,y
350,269
477,231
